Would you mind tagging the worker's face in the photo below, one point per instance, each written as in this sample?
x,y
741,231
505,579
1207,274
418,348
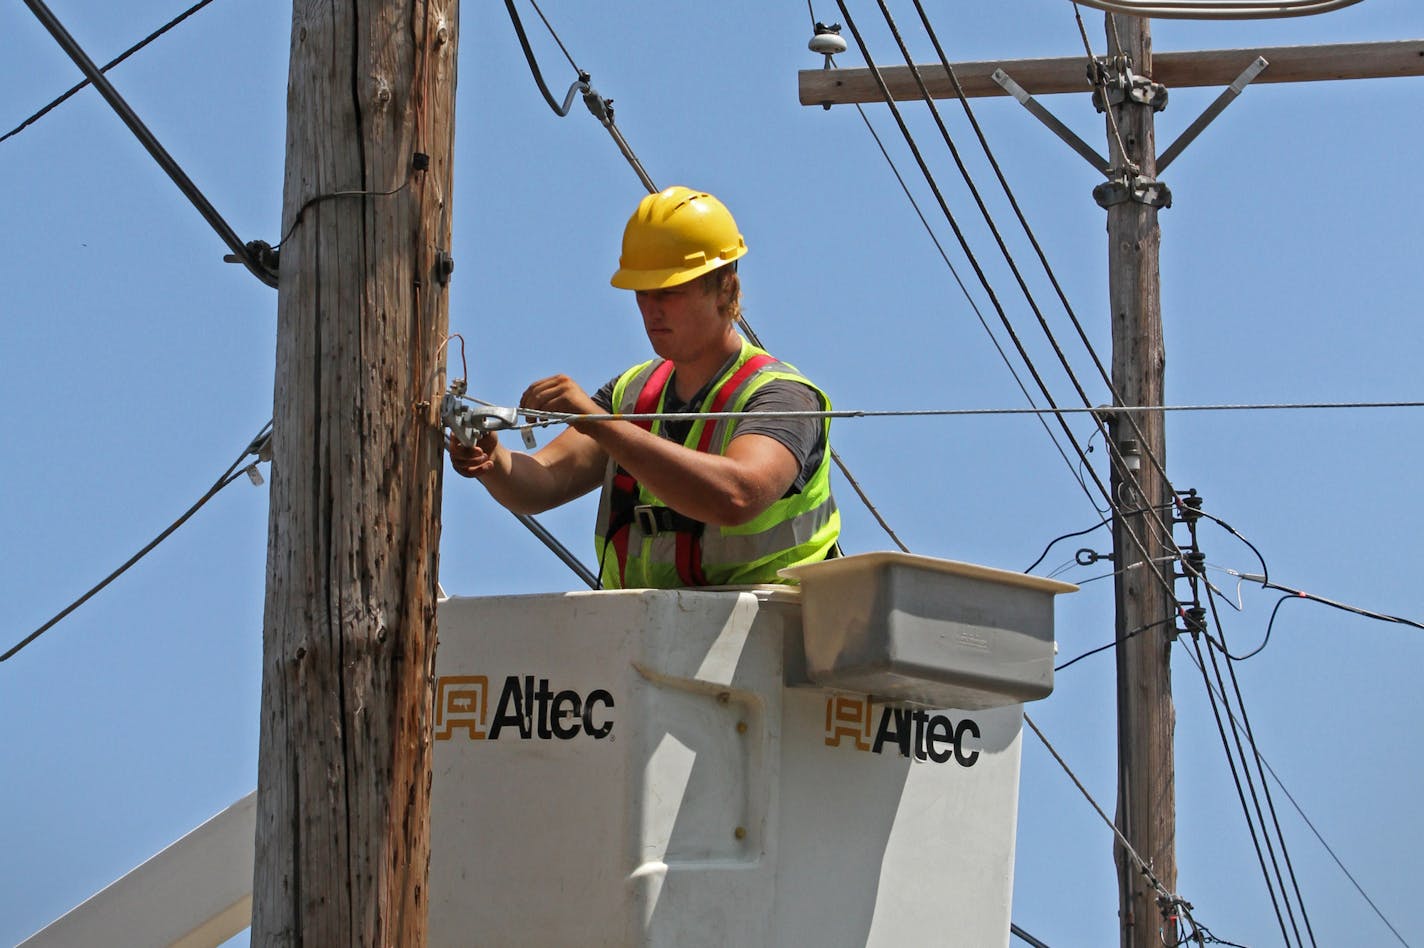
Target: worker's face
x,y
684,323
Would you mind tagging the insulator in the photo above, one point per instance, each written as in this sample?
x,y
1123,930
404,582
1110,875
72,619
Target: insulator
x,y
827,41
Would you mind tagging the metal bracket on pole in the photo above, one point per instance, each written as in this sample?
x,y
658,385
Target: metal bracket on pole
x,y
1227,96
1048,119
1132,187
1114,76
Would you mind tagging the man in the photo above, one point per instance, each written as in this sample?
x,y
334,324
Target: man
x,y
690,503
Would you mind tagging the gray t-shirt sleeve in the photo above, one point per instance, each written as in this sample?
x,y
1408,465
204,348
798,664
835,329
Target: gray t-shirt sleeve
x,y
800,436
603,398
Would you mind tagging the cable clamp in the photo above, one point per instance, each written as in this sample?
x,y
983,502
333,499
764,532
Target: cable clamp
x,y
1138,188
469,424
601,108
260,253
1115,75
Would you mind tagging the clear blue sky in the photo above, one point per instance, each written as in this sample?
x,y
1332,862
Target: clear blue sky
x,y
137,365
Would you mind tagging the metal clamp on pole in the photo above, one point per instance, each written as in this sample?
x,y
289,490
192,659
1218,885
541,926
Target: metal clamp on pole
x,y
469,424
1227,96
1133,187
1036,109
1115,75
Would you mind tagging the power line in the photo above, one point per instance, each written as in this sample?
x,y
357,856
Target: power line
x,y
1171,902
934,238
1029,233
1193,574
1306,819
544,418
258,449
998,306
247,254
77,87
602,109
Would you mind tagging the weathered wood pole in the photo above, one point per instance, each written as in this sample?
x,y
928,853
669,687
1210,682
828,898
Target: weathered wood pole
x,y
1146,807
349,637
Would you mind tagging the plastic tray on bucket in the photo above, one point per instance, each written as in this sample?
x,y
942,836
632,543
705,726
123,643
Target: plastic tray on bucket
x,y
928,631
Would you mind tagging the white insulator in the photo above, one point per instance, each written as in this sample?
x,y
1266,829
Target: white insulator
x,y
827,44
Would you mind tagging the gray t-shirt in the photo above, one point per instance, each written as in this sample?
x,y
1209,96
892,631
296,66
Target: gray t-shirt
x,y
801,436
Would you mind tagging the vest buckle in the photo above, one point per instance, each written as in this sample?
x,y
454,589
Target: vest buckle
x,y
647,519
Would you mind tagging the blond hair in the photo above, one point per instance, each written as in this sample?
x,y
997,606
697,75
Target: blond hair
x,y
725,278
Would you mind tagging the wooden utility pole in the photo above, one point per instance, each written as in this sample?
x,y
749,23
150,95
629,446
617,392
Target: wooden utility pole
x,y
349,639
1145,608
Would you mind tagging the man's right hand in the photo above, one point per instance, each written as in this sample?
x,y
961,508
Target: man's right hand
x,y
474,461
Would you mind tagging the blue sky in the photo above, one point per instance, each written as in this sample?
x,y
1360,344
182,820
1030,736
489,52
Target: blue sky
x,y
137,365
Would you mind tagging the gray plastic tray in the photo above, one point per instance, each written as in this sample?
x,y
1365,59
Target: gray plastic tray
x,y
927,631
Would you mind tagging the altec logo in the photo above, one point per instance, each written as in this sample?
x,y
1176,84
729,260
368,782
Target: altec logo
x,y
527,709
927,735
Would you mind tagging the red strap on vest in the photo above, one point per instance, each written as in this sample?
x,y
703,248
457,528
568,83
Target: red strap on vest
x,y
623,482
652,391
689,546
724,394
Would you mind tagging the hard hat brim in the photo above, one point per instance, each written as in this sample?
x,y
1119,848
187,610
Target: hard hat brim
x,y
626,279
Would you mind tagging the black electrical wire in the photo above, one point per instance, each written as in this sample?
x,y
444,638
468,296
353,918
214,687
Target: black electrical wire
x,y
602,109
1078,533
998,347
1114,643
1265,573
1319,838
1162,530
550,27
983,279
1265,788
79,86
248,256
533,62
237,469
1240,791
1028,231
1343,607
1025,937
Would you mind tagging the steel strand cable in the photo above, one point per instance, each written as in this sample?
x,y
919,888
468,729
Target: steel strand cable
x,y
255,448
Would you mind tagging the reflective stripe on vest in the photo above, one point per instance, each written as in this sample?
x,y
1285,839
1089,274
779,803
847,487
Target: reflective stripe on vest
x,y
797,529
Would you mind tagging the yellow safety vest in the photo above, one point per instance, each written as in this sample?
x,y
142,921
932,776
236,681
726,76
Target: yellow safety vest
x,y
643,543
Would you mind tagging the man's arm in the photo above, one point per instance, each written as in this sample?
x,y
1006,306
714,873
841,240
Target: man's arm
x,y
724,490
568,467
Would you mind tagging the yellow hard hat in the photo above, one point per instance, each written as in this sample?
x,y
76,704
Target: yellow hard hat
x,y
676,236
